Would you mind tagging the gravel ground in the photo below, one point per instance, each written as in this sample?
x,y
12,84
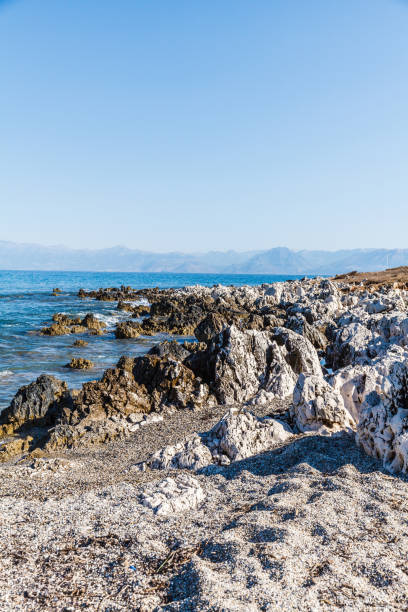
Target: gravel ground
x,y
312,525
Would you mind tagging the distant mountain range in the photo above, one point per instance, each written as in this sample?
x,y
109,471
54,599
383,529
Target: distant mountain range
x,y
279,260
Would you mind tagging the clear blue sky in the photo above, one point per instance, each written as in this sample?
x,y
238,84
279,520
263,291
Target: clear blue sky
x,y
215,124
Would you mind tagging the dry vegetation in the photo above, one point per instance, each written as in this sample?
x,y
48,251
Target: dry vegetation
x,y
392,278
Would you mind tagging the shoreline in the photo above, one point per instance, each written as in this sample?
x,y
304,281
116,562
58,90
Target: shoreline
x,y
235,472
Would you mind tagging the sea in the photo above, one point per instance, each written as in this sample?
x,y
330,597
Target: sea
x,y
27,305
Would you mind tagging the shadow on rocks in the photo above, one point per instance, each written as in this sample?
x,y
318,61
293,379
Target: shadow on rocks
x,y
324,454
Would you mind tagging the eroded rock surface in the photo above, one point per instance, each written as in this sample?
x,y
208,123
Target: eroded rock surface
x,y
34,402
238,435
336,348
173,495
319,407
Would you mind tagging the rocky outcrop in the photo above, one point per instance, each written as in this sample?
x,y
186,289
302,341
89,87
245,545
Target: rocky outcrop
x,y
137,310
78,363
64,324
378,397
128,329
33,403
253,366
255,344
169,383
238,435
319,407
209,327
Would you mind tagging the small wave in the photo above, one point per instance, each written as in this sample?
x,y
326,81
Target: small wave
x,y
110,320
5,373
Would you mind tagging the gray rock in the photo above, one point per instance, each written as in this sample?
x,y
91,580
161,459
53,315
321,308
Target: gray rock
x,y
300,353
35,401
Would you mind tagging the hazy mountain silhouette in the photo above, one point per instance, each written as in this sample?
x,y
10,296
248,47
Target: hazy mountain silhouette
x,y
279,260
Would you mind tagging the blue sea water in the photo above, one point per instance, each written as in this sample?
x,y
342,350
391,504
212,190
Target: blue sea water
x,y
27,304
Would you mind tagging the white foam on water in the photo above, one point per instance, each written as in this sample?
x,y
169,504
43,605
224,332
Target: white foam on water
x,y
5,373
111,319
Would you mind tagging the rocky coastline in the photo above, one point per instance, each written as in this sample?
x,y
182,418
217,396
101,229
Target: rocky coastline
x,y
270,451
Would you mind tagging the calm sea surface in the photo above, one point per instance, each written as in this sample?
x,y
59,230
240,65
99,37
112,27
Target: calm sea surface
x,y
26,305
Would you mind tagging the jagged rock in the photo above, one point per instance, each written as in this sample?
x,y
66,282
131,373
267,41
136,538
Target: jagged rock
x,y
64,319
79,343
172,349
14,447
64,324
91,322
378,397
173,495
56,329
34,402
350,343
169,383
116,393
125,306
78,363
255,366
315,335
317,406
191,454
301,354
128,329
209,327
240,434
141,310
242,363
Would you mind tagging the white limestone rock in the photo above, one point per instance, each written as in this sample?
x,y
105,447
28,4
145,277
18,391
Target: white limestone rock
x,y
256,366
378,394
191,454
240,434
319,407
173,495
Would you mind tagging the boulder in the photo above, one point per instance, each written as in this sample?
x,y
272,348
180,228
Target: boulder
x,y
78,363
317,406
128,329
171,349
37,401
240,434
191,454
255,366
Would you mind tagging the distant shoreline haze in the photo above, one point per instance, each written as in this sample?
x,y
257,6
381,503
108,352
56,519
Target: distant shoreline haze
x,y
279,260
